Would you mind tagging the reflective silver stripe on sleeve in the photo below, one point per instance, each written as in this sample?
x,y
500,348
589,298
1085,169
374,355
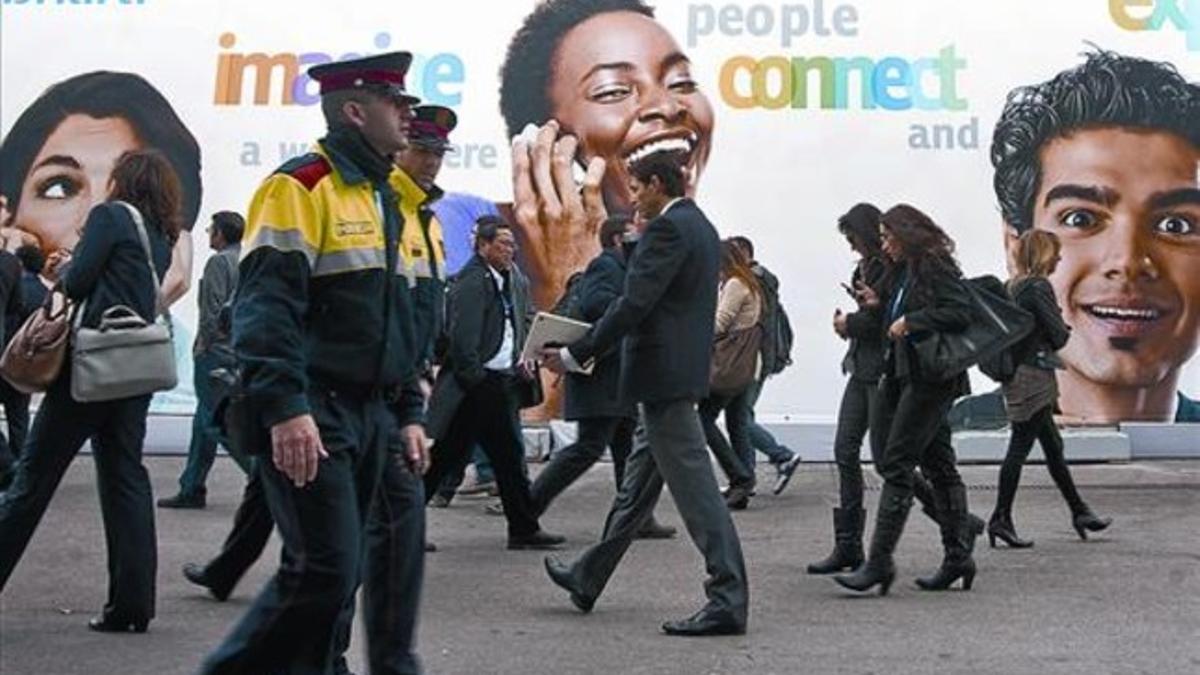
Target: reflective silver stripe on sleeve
x,y
287,240
350,260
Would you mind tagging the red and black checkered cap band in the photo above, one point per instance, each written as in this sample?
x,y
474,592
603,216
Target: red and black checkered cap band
x,y
355,79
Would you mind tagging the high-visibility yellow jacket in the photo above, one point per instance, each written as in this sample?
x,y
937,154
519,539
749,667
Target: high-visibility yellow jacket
x,y
322,302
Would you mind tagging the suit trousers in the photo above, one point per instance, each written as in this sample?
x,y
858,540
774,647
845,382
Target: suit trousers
x,y
252,526
291,625
567,465
202,450
910,422
670,447
118,430
854,420
487,416
735,454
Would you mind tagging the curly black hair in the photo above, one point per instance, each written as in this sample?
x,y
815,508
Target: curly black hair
x,y
526,72
1108,90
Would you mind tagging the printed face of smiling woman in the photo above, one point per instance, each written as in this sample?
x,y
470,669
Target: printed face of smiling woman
x,y
69,176
620,82
1126,206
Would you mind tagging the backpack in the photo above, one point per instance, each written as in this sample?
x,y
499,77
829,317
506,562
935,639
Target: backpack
x,y
568,303
777,336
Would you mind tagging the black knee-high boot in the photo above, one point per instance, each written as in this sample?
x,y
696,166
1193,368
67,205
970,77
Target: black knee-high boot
x,y
880,569
847,547
924,493
957,541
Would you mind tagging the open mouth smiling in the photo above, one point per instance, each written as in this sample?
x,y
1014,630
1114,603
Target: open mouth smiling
x,y
674,144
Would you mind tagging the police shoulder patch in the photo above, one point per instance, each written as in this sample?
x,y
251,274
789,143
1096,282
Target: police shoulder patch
x,y
308,169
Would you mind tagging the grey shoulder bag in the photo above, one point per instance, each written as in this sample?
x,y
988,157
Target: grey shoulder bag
x,y
125,356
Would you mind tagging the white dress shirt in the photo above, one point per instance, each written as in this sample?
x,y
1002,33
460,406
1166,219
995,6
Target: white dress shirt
x,y
502,360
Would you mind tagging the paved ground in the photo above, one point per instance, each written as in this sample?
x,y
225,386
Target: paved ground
x,y
1127,602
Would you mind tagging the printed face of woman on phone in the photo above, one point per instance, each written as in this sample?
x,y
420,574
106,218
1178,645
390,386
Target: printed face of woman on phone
x,y
69,176
622,85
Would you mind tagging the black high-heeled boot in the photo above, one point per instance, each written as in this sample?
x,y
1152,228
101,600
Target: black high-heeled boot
x,y
957,541
1086,521
847,548
929,506
1001,527
879,569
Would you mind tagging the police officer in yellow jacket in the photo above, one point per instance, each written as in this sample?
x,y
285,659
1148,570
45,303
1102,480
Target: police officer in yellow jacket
x,y
325,334
424,245
395,563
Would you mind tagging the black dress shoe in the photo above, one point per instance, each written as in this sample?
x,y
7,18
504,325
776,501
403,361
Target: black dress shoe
x,y
103,624
562,578
196,574
703,623
738,496
182,501
538,541
430,547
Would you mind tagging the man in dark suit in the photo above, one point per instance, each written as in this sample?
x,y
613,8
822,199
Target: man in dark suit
x,y
484,383
594,401
665,316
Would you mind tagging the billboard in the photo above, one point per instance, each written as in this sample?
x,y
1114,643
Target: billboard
x,y
790,112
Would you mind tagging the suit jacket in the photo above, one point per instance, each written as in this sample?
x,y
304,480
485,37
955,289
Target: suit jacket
x,y
864,358
665,313
475,330
940,304
599,394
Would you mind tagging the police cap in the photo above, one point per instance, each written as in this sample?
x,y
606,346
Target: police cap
x,y
382,74
431,126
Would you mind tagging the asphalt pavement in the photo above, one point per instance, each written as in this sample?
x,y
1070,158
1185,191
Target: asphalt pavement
x,y
1125,602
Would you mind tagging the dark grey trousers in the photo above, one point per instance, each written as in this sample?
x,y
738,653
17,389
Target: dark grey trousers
x,y
670,447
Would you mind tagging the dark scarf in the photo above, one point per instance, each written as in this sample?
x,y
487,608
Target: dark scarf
x,y
348,142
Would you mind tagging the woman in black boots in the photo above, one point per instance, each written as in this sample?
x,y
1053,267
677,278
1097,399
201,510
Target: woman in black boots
x,y
863,363
1031,394
926,296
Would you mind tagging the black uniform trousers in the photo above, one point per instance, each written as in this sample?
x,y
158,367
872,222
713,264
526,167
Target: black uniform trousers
x,y
395,564
292,624
568,464
488,416
117,429
909,425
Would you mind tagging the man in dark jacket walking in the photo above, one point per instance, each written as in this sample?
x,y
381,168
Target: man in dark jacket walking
x,y
594,400
665,315
484,382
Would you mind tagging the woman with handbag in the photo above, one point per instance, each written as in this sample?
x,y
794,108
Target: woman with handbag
x,y
737,339
1030,396
926,297
110,270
